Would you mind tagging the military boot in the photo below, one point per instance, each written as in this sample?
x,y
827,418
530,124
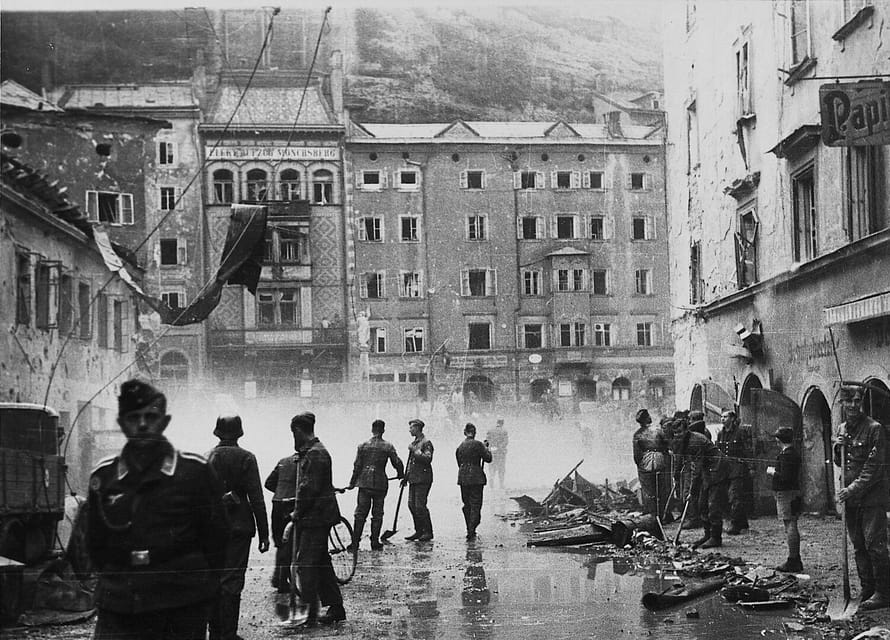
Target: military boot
x,y
791,565
706,535
357,528
878,600
376,545
716,539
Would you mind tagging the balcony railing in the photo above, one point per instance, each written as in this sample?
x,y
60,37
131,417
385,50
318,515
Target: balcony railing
x,y
277,336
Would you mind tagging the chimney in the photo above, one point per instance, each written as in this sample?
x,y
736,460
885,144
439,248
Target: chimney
x,y
336,84
613,124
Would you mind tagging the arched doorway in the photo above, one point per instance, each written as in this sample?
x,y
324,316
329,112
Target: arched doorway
x,y
876,401
751,382
538,389
818,469
696,399
621,389
586,389
477,389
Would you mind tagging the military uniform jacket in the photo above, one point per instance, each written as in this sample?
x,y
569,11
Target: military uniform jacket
x,y
316,504
865,471
283,479
470,454
237,469
703,457
737,444
420,461
369,469
157,537
650,447
498,439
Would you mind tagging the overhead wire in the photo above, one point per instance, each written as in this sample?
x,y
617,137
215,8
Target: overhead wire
x,y
197,174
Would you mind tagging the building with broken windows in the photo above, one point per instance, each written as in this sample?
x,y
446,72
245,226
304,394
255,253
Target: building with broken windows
x,y
778,216
174,255
68,321
512,261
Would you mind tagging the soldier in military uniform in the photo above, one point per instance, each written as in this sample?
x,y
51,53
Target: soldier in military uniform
x,y
860,450
471,454
498,440
315,512
283,483
710,481
237,470
650,451
156,529
737,444
369,475
419,478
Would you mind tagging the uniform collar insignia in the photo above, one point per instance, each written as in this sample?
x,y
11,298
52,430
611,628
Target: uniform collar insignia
x,y
168,468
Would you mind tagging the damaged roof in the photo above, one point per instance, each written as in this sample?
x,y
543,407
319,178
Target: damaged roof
x,y
16,95
30,182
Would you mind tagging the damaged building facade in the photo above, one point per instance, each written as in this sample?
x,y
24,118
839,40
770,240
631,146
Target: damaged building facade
x,y
778,218
513,261
173,259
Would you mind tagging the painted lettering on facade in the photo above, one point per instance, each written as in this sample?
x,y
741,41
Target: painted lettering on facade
x,y
855,114
488,362
808,352
272,153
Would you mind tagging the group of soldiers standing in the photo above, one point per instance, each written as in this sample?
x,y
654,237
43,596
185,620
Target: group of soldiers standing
x,y
680,465
169,532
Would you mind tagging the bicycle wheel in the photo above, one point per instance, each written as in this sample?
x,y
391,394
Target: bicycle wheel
x,y
343,558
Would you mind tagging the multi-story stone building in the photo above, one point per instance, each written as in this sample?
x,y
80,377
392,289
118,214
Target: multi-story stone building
x,y
279,145
174,240
513,260
779,225
69,319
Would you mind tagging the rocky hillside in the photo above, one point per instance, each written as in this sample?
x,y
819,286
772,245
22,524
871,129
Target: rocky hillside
x,y
405,64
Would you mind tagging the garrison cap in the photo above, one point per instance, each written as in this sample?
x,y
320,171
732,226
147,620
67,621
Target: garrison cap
x,y
784,434
137,394
418,422
643,415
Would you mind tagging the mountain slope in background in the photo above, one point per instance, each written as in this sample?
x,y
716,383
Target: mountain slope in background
x,y
403,64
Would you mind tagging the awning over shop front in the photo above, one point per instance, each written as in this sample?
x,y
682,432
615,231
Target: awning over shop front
x,y
874,305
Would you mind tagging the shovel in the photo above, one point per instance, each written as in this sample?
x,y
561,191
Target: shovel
x,y
843,609
395,521
682,519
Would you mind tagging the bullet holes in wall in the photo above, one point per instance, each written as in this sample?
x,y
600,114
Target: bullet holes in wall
x,y
647,159
545,157
581,157
455,157
103,149
11,139
405,155
372,156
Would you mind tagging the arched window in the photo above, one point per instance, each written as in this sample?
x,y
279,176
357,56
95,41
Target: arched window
x,y
257,185
289,183
621,389
322,187
223,187
174,366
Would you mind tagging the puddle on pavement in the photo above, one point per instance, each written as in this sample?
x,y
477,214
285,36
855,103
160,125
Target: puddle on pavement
x,y
550,594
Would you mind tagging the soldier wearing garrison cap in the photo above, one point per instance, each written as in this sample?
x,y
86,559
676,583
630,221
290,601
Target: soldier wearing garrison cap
x,y
860,451
315,512
243,496
419,477
736,442
156,529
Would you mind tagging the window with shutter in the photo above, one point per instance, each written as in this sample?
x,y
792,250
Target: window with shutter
x,y
182,251
539,180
